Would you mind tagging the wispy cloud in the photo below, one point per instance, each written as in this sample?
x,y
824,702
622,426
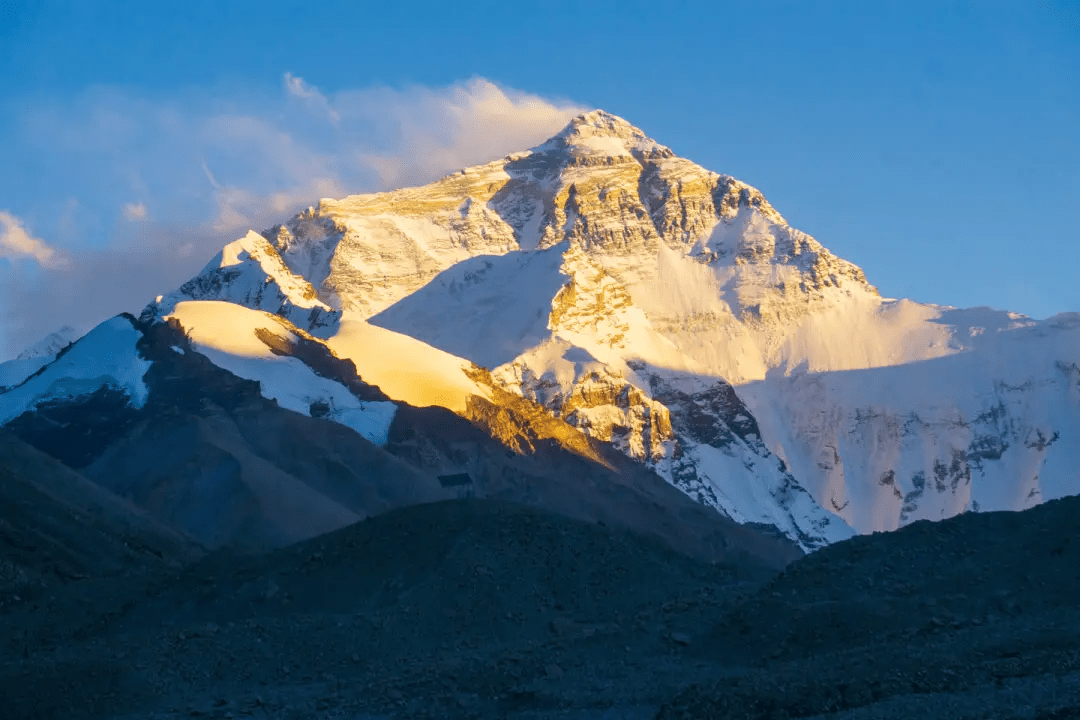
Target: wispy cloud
x,y
297,88
205,167
427,132
16,243
134,211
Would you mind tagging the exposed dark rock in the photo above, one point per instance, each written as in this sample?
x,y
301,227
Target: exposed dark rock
x,y
77,433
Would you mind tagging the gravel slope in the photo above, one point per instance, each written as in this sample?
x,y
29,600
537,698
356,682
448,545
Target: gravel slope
x,y
487,609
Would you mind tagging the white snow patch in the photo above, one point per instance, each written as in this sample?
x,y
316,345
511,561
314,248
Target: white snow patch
x,y
51,344
488,309
755,501
603,145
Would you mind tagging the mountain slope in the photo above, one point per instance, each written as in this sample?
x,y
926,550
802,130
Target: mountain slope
x,y
665,311
992,428
246,431
488,609
972,617
478,608
112,347
200,449
57,526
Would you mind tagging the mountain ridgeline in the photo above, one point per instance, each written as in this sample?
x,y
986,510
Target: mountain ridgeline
x,y
595,300
585,432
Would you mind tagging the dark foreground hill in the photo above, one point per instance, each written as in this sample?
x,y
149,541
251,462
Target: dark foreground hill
x,y
486,609
457,608
972,617
56,526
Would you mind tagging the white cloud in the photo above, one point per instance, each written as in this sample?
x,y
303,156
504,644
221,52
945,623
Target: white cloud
x,y
381,138
429,132
297,88
214,164
16,242
135,211
239,209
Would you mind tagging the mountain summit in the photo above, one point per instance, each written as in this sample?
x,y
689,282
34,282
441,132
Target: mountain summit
x,y
603,294
685,241
602,134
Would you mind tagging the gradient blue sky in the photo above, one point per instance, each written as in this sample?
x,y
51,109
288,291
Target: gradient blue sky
x,y
935,144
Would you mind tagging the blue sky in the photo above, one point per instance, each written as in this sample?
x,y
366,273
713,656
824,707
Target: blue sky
x,y
935,144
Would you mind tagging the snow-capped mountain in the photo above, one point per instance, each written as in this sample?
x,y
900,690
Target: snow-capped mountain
x,y
614,293
250,272
106,355
35,357
51,344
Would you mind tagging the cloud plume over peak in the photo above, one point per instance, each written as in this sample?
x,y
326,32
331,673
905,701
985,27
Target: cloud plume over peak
x,y
440,130
211,165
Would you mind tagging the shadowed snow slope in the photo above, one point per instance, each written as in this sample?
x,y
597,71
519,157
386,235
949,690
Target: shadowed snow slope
x,y
35,357
105,357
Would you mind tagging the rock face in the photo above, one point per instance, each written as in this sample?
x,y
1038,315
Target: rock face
x,y
672,314
250,272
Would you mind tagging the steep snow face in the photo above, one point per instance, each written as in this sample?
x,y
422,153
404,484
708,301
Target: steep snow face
x,y
672,312
489,308
250,272
234,337
35,357
993,428
105,357
719,458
